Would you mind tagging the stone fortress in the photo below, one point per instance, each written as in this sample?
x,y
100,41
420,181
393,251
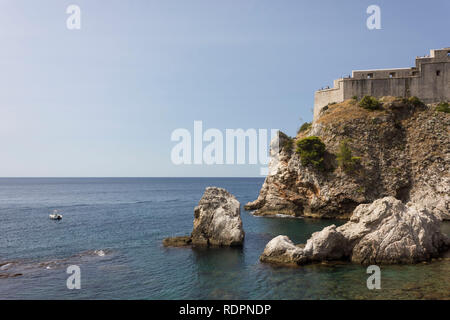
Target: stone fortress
x,y
429,80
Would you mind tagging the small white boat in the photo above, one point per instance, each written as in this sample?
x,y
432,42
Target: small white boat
x,y
55,215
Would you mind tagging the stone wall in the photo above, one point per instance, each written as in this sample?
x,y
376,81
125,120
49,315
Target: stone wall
x,y
324,97
429,80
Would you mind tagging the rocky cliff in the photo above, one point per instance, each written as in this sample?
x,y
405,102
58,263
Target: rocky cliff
x,y
401,149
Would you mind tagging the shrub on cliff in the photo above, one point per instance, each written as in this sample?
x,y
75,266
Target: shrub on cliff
x,y
344,155
304,127
288,144
354,100
311,151
345,159
370,103
443,107
414,101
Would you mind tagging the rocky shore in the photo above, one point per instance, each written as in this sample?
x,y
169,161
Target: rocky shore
x,y
217,222
386,170
383,232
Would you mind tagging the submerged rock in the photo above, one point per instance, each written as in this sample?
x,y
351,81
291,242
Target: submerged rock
x,y
10,275
217,221
177,241
383,232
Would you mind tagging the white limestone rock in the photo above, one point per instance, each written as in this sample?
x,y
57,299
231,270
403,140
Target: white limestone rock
x,y
327,244
387,231
281,250
383,232
217,219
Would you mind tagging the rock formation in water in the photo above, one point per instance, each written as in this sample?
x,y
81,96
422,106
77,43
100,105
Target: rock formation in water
x,y
217,221
383,232
402,149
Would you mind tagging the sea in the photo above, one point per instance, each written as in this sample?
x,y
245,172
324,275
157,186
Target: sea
x,y
112,231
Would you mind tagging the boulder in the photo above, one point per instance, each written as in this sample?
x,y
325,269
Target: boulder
x,y
324,245
217,221
328,244
383,232
281,250
387,231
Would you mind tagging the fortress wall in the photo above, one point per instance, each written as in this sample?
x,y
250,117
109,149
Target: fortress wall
x,y
397,87
324,97
429,80
382,74
431,87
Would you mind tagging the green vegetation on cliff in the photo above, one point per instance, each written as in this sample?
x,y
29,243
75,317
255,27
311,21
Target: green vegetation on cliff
x,y
304,127
414,101
288,144
345,159
370,103
443,107
311,151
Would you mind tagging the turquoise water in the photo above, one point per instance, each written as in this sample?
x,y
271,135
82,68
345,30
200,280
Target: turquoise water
x,y
113,228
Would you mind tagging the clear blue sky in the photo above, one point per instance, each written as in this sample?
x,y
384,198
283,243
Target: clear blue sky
x,y
103,100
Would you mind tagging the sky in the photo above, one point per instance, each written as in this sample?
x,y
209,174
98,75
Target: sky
x,y
103,101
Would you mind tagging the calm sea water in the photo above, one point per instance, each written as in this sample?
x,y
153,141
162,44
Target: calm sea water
x,y
113,228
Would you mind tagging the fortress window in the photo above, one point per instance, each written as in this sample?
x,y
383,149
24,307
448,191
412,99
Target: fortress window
x,y
438,72
369,75
415,73
391,74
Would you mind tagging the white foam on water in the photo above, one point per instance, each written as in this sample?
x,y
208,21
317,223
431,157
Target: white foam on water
x,y
5,266
100,253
